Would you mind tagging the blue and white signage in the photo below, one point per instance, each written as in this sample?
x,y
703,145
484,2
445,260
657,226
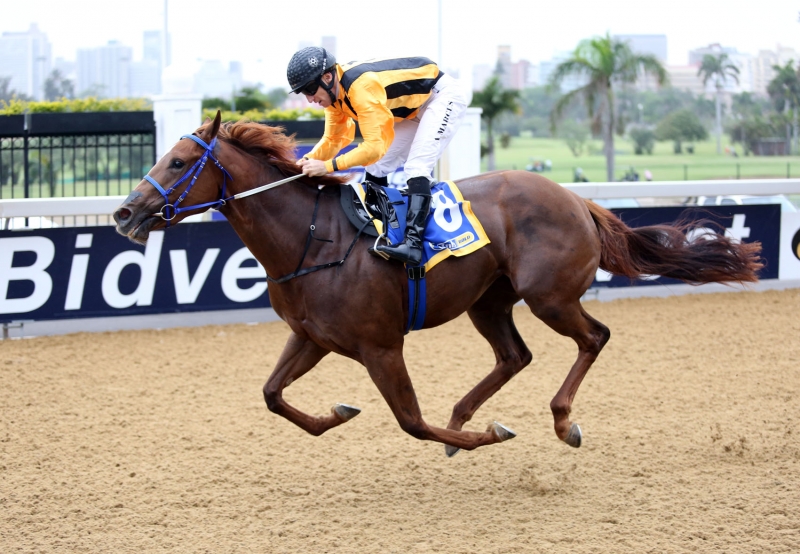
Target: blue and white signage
x,y
752,223
790,246
64,273
52,274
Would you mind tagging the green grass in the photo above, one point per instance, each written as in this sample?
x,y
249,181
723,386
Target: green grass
x,y
663,163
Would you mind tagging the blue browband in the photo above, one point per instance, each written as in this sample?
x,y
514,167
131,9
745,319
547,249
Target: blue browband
x,y
171,211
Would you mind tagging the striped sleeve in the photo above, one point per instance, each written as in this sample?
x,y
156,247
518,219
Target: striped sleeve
x,y
339,132
375,121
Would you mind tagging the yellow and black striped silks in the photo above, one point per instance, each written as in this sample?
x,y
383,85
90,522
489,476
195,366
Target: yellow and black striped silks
x,y
374,93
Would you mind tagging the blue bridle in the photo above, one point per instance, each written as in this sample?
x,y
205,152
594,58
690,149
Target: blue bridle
x,y
171,211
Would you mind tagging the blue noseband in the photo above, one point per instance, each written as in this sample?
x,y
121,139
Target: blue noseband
x,y
171,211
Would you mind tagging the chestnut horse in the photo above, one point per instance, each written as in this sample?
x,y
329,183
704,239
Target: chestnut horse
x,y
546,245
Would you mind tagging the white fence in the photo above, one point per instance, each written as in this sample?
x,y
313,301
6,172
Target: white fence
x,y
105,205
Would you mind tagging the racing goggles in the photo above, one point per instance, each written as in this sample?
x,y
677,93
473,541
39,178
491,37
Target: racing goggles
x,y
310,89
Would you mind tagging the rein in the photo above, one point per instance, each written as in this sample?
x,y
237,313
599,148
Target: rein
x,y
170,211
300,272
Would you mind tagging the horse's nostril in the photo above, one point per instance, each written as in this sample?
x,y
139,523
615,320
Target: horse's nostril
x,y
122,214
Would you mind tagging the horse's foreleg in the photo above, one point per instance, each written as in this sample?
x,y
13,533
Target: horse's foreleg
x,y
298,357
591,336
388,371
492,317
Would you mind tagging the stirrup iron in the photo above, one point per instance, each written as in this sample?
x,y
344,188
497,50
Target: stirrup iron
x,y
374,250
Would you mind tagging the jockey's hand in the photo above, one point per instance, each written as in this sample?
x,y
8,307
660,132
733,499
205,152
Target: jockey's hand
x,y
312,168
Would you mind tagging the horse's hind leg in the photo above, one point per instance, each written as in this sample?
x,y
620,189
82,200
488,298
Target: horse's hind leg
x,y
388,371
298,357
492,316
571,320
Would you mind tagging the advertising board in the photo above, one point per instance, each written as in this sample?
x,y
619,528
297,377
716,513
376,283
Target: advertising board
x,y
50,274
92,272
750,223
790,246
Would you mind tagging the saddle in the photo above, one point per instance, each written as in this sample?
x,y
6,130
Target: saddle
x,y
452,230
376,205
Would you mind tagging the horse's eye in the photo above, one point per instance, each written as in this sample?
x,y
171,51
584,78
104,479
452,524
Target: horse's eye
x,y
177,164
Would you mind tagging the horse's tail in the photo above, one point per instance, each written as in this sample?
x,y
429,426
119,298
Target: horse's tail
x,y
664,250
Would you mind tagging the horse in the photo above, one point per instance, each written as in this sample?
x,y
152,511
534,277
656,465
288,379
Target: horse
x,y
546,246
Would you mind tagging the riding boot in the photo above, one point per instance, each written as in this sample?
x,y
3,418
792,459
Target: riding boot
x,y
419,204
382,181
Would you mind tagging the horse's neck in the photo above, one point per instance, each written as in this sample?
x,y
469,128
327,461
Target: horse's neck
x,y
272,224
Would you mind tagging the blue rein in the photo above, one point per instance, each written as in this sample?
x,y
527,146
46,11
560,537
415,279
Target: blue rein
x,y
171,211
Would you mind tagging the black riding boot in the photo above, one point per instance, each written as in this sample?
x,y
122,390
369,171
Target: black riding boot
x,y
382,181
419,204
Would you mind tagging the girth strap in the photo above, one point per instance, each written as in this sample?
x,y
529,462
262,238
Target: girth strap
x,y
417,298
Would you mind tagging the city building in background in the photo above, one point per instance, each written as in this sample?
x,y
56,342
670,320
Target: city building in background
x,y
647,45
739,59
761,66
146,73
513,75
110,71
654,45
570,83
755,72
216,79
26,57
684,77
105,71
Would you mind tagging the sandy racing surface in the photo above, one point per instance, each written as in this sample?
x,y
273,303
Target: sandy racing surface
x,y
160,441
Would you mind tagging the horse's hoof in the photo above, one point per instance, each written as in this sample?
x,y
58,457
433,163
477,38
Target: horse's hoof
x,y
574,436
451,451
346,412
502,432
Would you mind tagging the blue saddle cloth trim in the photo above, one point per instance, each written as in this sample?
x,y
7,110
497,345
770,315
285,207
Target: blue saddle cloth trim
x,y
416,317
451,229
400,204
417,294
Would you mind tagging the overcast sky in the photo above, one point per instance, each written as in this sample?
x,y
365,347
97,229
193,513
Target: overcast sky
x,y
264,34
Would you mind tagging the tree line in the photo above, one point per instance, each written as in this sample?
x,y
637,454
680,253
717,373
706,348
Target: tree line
x,y
608,104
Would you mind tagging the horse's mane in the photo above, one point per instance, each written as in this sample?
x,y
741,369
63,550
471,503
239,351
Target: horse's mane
x,y
270,145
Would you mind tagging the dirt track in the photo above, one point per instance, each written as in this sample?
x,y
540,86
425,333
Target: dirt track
x,y
161,441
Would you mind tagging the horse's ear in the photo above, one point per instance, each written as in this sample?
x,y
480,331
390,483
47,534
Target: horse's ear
x,y
211,128
215,125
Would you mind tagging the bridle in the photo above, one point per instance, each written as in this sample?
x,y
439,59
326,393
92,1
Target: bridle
x,y
171,210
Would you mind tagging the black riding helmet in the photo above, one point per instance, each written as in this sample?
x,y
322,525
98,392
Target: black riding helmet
x,y
306,69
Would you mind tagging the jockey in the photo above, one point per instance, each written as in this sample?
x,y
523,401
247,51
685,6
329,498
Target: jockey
x,y
407,111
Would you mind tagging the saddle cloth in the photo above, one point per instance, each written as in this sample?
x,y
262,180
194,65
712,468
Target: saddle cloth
x,y
452,229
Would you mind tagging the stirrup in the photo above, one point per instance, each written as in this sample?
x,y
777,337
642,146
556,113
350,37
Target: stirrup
x,y
374,248
406,260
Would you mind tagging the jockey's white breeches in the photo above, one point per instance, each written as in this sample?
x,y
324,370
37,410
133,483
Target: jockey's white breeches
x,y
419,142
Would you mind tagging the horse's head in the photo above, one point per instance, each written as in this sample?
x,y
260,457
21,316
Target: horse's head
x,y
176,186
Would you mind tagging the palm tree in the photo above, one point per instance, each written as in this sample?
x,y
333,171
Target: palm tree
x,y
784,90
604,63
494,100
719,68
